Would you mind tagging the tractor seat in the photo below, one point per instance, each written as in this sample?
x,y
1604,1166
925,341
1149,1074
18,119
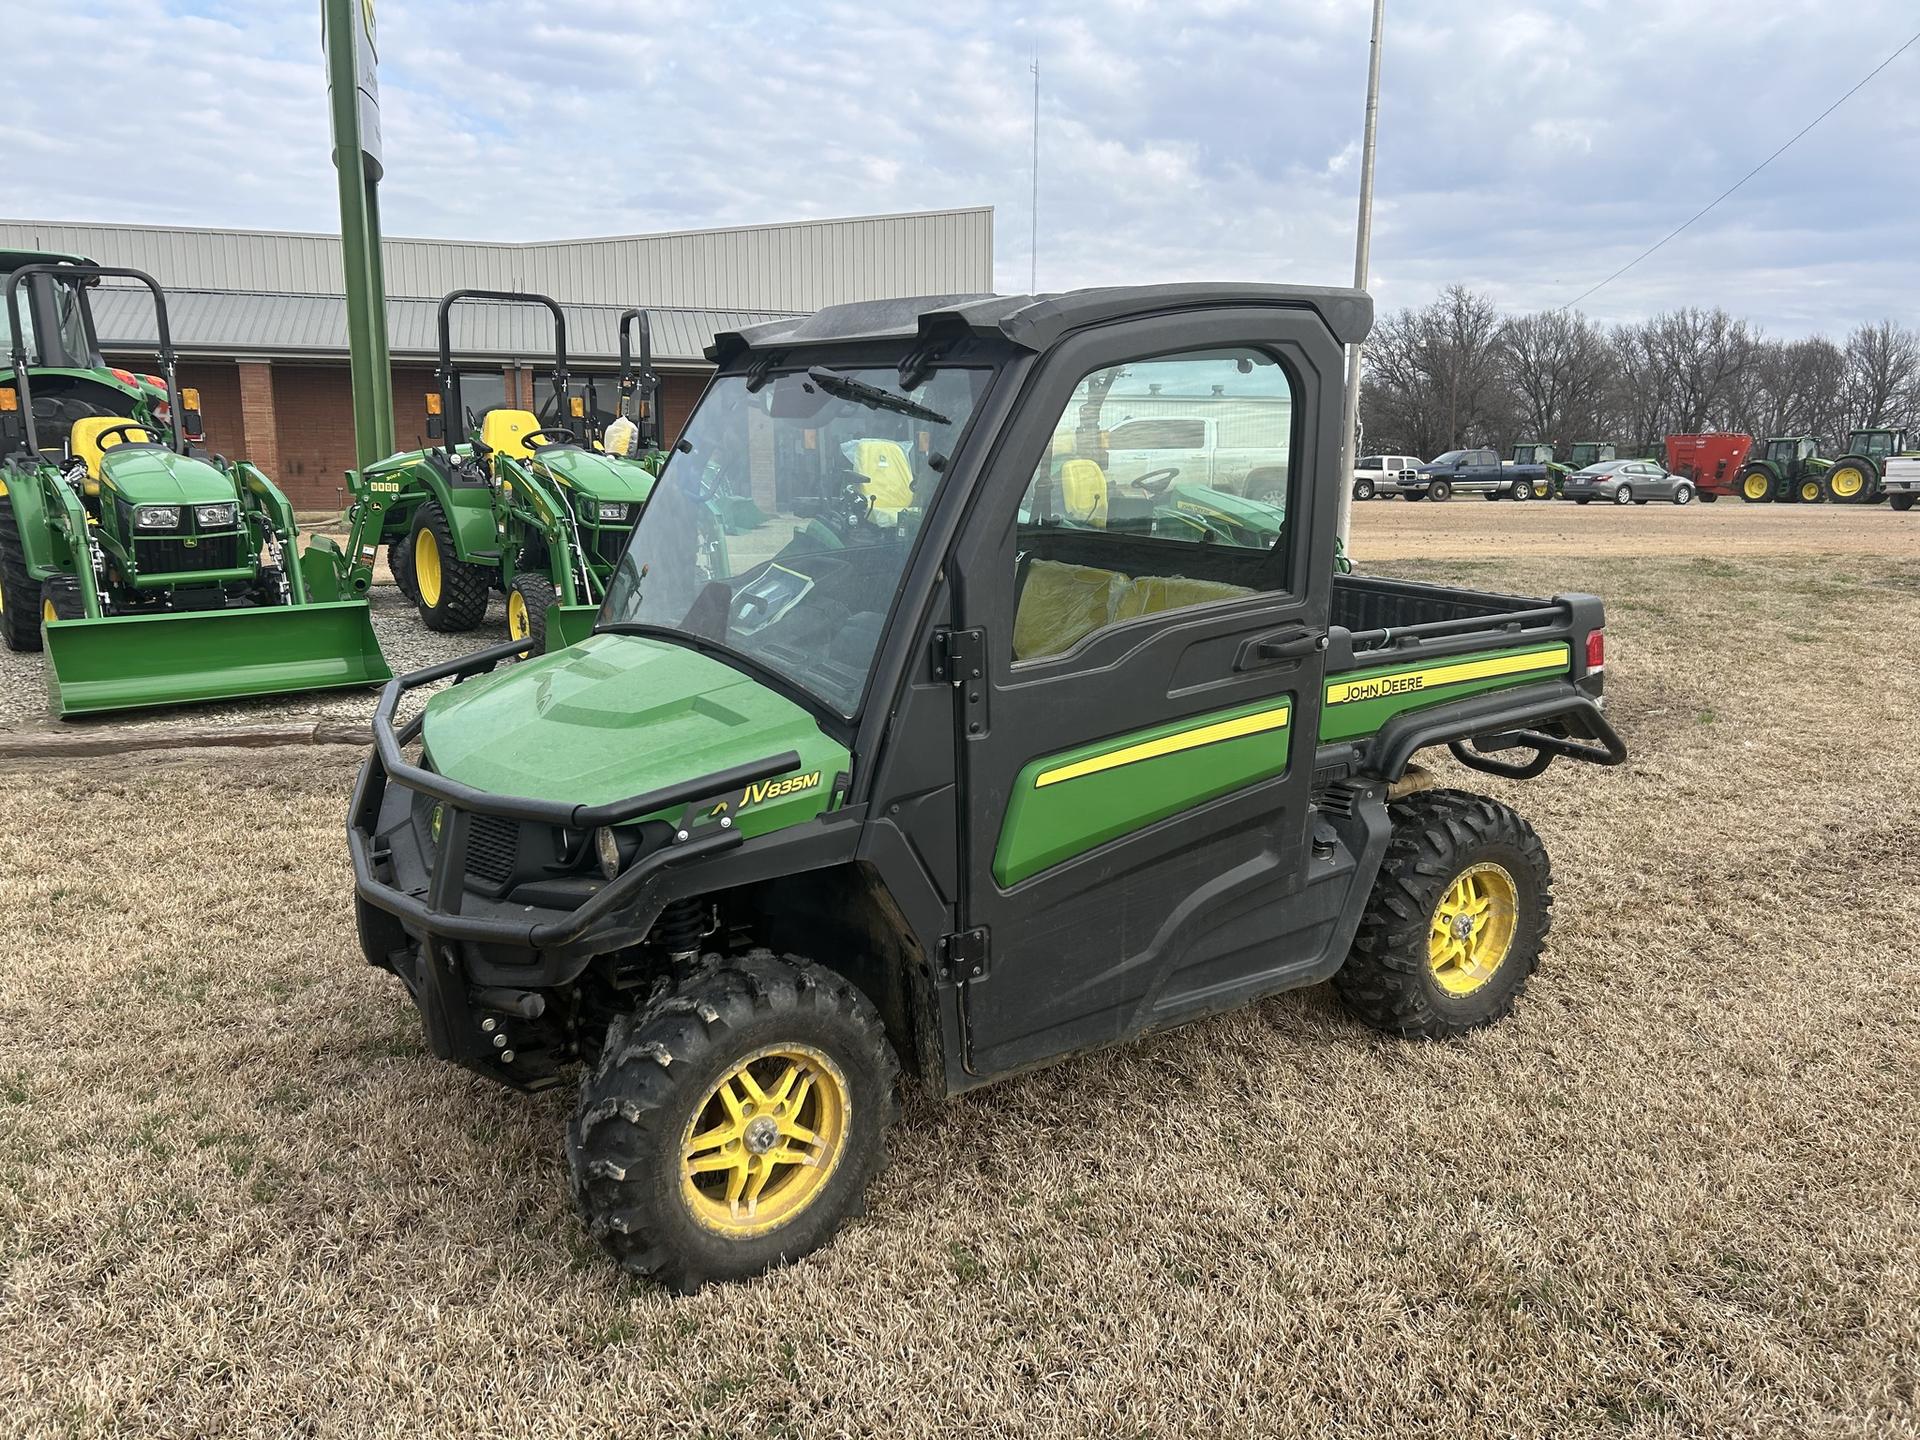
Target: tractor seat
x,y
85,445
505,431
886,477
1083,493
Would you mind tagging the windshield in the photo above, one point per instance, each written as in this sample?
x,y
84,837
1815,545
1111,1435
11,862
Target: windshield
x,y
786,516
70,348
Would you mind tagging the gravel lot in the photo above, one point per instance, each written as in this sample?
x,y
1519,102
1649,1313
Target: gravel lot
x,y
1676,1194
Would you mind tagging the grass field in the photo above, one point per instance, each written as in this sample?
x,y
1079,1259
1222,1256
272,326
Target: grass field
x,y
1677,1193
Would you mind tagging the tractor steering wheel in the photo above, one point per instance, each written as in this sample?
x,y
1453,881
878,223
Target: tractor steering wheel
x,y
1155,482
101,437
539,439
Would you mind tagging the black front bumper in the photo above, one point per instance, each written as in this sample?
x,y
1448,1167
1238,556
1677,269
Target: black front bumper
x,y
423,881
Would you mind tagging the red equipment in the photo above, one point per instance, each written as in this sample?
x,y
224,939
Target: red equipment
x,y
1712,462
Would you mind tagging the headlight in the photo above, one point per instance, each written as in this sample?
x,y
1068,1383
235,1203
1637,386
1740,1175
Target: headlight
x,y
614,512
156,517
607,846
214,517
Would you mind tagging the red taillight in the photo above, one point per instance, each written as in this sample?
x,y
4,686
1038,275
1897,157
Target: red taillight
x,y
125,377
155,381
1596,651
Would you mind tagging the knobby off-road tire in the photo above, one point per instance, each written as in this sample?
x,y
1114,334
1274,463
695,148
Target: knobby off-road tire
x,y
400,562
1441,838
1850,483
654,1102
1760,493
19,591
450,594
60,599
527,600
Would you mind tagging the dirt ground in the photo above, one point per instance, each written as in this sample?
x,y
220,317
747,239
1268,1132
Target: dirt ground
x,y
1676,1194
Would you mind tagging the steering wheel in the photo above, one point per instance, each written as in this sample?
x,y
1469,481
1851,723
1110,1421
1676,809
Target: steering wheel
x,y
103,436
1155,482
535,439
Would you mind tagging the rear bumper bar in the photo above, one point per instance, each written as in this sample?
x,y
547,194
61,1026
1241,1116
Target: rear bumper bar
x,y
425,887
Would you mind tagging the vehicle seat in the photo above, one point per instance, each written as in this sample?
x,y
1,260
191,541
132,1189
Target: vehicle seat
x,y
1150,594
887,477
505,431
1062,604
85,445
1083,493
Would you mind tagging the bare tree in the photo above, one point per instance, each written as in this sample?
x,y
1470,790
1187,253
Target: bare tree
x,y
1794,389
1557,365
1433,377
1881,384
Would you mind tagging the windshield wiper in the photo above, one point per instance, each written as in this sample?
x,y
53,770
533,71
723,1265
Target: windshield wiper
x,y
845,387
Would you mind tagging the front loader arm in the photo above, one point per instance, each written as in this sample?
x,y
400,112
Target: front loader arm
x,y
268,504
536,503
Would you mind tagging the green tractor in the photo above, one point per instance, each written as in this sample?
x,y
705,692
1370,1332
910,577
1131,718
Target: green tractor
x,y
1533,452
1856,477
1789,469
506,501
151,571
1591,452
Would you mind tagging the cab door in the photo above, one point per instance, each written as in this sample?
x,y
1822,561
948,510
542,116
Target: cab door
x,y
1138,724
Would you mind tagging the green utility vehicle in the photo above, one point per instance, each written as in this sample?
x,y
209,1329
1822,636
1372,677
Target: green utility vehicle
x,y
945,779
1789,469
151,571
1857,477
505,501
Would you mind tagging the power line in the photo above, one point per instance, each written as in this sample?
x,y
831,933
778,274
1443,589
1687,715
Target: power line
x,y
1749,175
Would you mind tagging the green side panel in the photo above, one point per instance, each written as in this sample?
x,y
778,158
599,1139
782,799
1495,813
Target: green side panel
x,y
1066,803
616,715
45,552
323,567
1360,702
133,662
470,512
569,624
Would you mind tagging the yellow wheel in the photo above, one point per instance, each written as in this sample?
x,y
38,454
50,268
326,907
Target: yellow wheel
x,y
765,1141
733,1124
47,612
1472,929
1810,491
1756,485
1847,482
1454,925
426,567
517,626
528,599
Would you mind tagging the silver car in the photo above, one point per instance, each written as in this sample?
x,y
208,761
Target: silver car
x,y
1626,482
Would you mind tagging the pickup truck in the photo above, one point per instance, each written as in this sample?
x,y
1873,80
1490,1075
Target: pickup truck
x,y
1474,472
1241,450
1900,481
989,780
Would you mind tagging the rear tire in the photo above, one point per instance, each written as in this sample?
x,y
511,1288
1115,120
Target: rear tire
x,y
1623,496
452,595
1851,483
1902,502
677,1065
1363,489
1523,490
19,591
1411,972
527,600
1440,490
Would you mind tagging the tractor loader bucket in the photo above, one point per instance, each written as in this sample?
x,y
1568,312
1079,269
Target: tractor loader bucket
x,y
569,624
133,662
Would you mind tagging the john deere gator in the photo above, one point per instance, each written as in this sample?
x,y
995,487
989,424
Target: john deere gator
x,y
151,571
505,501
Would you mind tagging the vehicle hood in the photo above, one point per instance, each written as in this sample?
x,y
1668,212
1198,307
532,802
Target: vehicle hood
x,y
619,715
603,477
163,477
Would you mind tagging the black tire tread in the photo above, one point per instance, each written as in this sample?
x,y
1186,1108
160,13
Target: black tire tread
x,y
20,602
400,562
464,589
1385,981
540,593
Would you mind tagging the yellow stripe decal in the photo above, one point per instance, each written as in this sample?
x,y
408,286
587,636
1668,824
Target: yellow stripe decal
x,y
1254,724
1400,682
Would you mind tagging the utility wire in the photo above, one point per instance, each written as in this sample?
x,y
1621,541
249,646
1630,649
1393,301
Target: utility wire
x,y
1748,176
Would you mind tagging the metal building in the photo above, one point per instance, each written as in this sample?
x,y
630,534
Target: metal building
x,y
260,318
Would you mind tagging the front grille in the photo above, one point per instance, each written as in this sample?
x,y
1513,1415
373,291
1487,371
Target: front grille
x,y
493,844
608,544
174,555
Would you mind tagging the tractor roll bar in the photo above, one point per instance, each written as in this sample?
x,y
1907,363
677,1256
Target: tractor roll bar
x,y
646,380
77,276
449,377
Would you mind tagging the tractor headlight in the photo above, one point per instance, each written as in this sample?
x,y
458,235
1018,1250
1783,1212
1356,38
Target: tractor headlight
x,y
215,517
613,512
157,517
606,846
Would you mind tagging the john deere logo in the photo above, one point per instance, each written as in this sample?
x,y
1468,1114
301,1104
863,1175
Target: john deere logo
x,y
191,542
439,814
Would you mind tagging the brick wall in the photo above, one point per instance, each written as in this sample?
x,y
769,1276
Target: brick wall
x,y
219,387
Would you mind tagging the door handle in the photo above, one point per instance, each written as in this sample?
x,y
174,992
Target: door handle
x,y
1289,645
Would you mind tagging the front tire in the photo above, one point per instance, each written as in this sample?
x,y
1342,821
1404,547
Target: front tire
x,y
1683,494
733,1124
451,595
1440,490
19,591
60,599
527,600
1456,921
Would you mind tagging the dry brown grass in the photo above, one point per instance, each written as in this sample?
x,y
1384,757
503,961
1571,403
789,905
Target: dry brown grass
x,y
1674,1195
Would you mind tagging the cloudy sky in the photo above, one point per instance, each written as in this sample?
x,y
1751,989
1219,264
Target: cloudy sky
x,y
1527,150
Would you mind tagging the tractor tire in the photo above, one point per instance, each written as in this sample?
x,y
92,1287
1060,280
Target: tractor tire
x,y
1812,491
701,1076
19,591
1623,496
1440,490
527,600
1456,921
1756,487
1683,494
451,594
1851,483
270,586
60,599
400,562
1363,489
1902,503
